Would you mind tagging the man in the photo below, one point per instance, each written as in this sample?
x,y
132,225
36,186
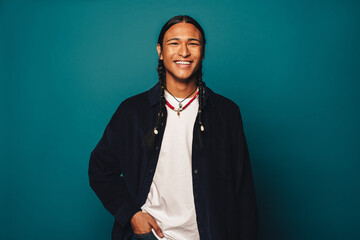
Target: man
x,y
173,161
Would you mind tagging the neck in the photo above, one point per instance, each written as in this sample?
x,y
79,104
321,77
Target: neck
x,y
181,89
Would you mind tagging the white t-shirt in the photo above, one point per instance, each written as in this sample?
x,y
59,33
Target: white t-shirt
x,y
171,199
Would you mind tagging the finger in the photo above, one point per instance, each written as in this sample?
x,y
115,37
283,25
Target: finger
x,y
156,228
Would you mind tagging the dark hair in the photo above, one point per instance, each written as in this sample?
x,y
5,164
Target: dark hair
x,y
149,138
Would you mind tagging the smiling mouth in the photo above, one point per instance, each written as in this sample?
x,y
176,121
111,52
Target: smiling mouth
x,y
183,64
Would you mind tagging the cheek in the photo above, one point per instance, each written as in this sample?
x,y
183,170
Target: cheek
x,y
167,56
197,53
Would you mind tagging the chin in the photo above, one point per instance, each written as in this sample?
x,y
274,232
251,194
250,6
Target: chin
x,y
183,78
186,79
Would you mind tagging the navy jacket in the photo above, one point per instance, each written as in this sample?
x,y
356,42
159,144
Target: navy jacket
x,y
121,169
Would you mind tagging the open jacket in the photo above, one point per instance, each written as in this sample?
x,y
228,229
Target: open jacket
x,y
121,169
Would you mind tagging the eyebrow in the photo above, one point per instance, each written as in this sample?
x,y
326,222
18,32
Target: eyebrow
x,y
190,39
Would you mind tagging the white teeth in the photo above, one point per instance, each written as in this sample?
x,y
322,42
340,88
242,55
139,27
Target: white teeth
x,y
181,62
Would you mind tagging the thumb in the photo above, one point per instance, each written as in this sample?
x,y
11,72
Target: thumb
x,y
156,228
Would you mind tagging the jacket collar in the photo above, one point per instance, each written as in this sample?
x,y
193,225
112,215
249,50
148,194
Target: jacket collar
x,y
154,94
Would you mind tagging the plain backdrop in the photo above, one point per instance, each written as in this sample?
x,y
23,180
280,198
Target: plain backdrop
x,y
293,67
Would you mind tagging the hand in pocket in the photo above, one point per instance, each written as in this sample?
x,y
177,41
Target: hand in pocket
x,y
143,223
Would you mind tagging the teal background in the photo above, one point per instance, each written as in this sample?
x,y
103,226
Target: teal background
x,y
293,67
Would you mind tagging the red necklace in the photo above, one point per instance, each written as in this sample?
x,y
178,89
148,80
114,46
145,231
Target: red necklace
x,y
181,108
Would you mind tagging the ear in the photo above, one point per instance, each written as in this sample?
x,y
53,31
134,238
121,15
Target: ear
x,y
203,54
158,48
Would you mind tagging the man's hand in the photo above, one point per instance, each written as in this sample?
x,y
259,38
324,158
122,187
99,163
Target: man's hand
x,y
143,223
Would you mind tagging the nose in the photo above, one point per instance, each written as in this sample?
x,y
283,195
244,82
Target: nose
x,y
184,51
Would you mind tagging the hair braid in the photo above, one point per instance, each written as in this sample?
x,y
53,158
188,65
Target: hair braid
x,y
149,138
161,73
200,85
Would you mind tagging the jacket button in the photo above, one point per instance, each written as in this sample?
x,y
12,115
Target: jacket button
x,y
195,171
157,148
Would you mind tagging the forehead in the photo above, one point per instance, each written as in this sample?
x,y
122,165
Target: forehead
x,y
183,30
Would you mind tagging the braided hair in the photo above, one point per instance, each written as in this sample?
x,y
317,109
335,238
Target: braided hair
x,y
150,136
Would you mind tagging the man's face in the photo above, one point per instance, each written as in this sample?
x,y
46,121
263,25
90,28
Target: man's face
x,y
182,52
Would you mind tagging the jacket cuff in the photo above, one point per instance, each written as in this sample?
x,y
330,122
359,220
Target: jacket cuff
x,y
125,213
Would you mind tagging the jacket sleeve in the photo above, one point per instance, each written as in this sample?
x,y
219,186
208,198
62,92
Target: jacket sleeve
x,y
105,170
245,190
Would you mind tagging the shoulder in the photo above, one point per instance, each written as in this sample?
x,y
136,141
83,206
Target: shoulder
x,y
225,113
135,101
224,108
222,102
134,105
139,101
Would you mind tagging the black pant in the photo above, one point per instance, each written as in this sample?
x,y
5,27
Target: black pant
x,y
147,236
